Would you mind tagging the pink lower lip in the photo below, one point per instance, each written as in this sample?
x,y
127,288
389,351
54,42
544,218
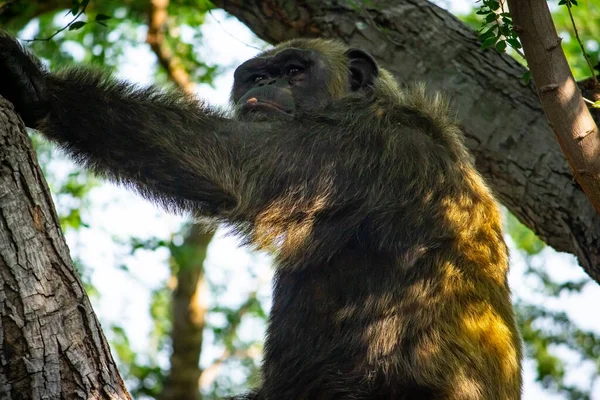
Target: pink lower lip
x,y
256,104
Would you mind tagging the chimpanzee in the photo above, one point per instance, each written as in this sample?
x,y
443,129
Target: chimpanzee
x,y
391,267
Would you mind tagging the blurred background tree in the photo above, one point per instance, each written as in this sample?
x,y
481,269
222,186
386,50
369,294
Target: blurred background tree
x,y
184,312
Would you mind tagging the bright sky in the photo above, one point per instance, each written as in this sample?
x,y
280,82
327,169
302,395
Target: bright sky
x,y
118,214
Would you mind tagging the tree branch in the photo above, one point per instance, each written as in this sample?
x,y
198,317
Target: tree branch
x,y
157,28
210,373
563,104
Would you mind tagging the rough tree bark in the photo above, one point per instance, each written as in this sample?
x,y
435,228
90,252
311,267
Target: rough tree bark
x,y
52,344
506,128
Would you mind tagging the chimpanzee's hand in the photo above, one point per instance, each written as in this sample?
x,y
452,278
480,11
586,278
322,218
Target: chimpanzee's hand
x,y
23,81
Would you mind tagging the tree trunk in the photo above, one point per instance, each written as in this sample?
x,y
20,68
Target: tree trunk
x,y
189,314
505,125
51,344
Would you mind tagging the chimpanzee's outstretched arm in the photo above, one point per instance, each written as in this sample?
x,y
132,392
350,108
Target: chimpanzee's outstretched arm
x,y
174,149
171,148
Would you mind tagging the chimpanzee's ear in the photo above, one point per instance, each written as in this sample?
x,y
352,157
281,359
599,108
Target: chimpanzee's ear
x,y
363,68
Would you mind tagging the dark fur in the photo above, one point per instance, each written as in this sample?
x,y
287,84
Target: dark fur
x,y
391,266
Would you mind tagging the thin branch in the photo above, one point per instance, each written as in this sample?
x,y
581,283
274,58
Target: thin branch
x,y
230,35
498,23
209,374
79,14
157,27
589,101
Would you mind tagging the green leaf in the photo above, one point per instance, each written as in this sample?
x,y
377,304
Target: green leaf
x,y
491,17
514,43
501,46
102,17
526,77
493,5
75,7
596,104
488,43
76,25
490,33
574,2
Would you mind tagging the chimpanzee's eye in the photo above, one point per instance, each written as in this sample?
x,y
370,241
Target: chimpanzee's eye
x,y
293,70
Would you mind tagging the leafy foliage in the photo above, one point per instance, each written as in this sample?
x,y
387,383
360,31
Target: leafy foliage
x,y
497,30
497,27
